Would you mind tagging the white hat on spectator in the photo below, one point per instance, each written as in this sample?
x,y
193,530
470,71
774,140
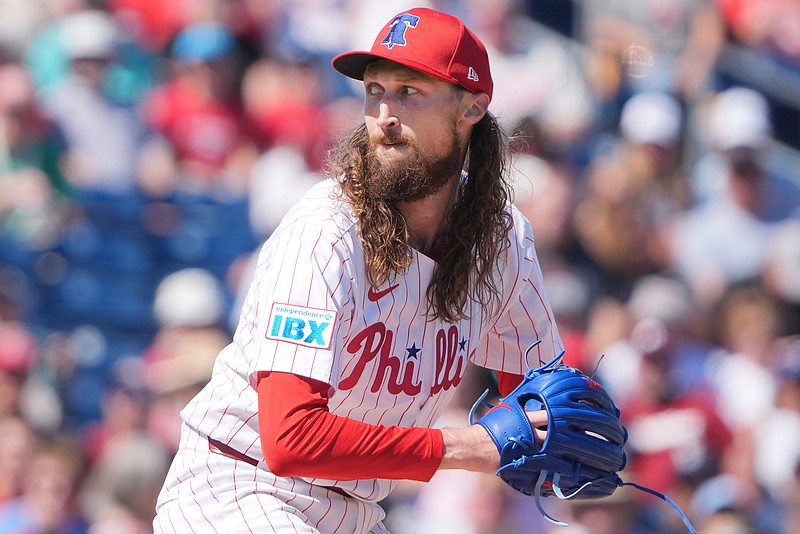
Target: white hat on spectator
x,y
189,297
89,34
738,118
661,297
651,118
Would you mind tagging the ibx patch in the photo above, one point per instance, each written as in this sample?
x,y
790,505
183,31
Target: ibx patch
x,y
309,327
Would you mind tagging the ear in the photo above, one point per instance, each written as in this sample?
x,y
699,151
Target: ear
x,y
474,107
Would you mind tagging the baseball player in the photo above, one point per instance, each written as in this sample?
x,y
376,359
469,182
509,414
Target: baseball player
x,y
368,302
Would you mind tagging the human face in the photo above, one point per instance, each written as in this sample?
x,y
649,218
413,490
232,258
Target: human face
x,y
415,145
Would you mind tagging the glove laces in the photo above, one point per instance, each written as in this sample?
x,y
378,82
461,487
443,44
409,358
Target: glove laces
x,y
666,500
561,495
558,492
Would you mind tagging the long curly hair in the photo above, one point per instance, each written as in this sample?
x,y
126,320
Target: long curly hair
x,y
475,232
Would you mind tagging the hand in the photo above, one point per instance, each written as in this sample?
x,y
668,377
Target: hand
x,y
472,449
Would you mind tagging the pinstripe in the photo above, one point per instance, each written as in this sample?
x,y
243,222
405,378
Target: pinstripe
x,y
260,501
341,521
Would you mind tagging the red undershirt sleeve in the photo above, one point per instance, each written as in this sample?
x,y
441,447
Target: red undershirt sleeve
x,y
300,437
506,382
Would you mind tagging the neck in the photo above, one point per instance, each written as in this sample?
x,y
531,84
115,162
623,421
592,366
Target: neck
x,y
425,217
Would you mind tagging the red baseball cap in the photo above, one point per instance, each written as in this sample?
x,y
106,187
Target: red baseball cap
x,y
428,41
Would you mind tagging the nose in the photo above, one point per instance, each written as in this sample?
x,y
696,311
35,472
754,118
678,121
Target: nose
x,y
387,120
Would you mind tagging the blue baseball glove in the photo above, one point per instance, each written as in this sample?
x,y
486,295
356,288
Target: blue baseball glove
x,y
585,443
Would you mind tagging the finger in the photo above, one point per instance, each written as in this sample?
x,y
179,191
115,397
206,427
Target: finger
x,y
538,421
538,418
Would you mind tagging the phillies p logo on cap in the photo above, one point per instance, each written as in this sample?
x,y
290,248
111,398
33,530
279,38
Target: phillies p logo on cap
x,y
398,27
431,42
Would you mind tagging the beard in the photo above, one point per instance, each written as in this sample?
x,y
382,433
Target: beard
x,y
412,176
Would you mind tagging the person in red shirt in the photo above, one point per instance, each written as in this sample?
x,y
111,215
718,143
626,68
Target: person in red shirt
x,y
676,437
198,112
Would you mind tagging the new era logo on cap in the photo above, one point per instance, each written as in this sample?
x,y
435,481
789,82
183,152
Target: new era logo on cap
x,y
428,41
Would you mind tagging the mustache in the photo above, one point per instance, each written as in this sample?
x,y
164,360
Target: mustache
x,y
398,139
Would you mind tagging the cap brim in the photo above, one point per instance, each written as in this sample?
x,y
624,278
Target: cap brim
x,y
353,65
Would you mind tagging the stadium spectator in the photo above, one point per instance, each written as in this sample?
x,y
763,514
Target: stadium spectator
x,y
669,47
741,374
724,238
118,497
190,313
52,479
777,436
104,138
18,352
15,455
537,74
770,28
677,439
33,190
198,112
633,188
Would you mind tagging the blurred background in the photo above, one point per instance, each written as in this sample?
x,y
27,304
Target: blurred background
x,y
147,149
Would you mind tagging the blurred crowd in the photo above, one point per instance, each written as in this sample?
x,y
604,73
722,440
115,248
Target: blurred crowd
x,y
148,147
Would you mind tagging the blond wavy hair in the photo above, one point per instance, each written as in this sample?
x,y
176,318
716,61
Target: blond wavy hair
x,y
476,229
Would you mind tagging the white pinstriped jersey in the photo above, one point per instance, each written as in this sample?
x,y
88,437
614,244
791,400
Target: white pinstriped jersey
x,y
311,311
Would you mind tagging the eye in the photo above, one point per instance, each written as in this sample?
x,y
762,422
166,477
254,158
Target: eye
x,y
373,89
408,90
